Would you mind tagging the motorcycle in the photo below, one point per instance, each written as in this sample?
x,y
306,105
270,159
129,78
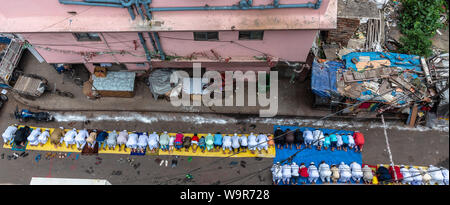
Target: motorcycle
x,y
25,115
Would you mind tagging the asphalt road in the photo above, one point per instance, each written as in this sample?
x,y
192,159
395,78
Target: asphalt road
x,y
410,146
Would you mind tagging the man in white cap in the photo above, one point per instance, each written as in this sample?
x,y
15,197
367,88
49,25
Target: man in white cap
x,y
252,143
226,144
286,172
344,172
334,174
263,143
164,141
436,175
69,137
351,142
9,134
367,174
407,177
294,173
416,176
244,142
33,138
276,173
153,140
426,177
122,139
357,173
325,172
445,174
80,139
142,142
309,138
111,141
313,173
317,134
132,141
235,143
43,137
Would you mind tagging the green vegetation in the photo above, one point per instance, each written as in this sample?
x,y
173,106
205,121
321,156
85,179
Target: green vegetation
x,y
419,21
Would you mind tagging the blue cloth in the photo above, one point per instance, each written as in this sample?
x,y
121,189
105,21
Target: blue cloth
x,y
218,139
404,61
101,136
313,155
323,78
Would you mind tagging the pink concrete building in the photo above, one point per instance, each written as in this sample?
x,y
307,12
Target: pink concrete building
x,y
221,34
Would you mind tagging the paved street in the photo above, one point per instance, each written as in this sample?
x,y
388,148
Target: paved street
x,y
417,146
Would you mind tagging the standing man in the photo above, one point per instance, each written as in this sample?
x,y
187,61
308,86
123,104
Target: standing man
x,y
80,139
164,141
295,169
33,138
142,142
309,138
367,174
210,142
325,172
122,139
69,137
153,142
357,173
56,137
112,140
286,173
218,141
262,143
252,143
313,173
235,143
43,137
344,171
244,142
8,135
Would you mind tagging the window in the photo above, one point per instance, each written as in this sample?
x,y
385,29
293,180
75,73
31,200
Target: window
x,y
251,35
87,36
206,36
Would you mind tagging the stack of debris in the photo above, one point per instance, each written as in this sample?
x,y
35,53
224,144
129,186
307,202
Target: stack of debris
x,y
439,76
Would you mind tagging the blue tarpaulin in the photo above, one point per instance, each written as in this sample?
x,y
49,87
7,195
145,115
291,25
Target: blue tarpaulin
x,y
397,60
323,77
313,155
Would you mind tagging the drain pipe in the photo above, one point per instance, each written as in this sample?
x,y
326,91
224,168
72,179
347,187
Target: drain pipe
x,y
89,3
147,53
158,43
153,41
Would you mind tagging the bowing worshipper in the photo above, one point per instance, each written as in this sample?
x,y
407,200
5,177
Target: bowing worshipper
x,y
345,172
415,174
286,173
202,143
340,143
33,138
132,141
122,139
101,139
56,137
179,141
8,135
436,175
445,175
383,175
43,137
407,177
321,142
325,172
359,141
313,173
295,169
298,138
395,172
270,141
80,139
344,142
194,143
252,143
235,143
112,140
277,175
326,142
244,142
69,137
334,174
142,142
209,142
90,140
367,174
171,143
351,142
21,135
357,173
317,134
309,138
279,138
426,177
289,140
153,140
226,144
164,141
218,141
262,143
187,143
303,171
333,139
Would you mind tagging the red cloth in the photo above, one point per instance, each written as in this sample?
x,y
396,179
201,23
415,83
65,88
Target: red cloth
x,y
179,138
359,138
364,105
303,172
195,138
397,171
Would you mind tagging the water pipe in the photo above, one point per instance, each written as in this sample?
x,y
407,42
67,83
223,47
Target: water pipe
x,y
147,53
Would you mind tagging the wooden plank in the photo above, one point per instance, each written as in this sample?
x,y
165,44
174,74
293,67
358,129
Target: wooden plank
x,y
412,121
